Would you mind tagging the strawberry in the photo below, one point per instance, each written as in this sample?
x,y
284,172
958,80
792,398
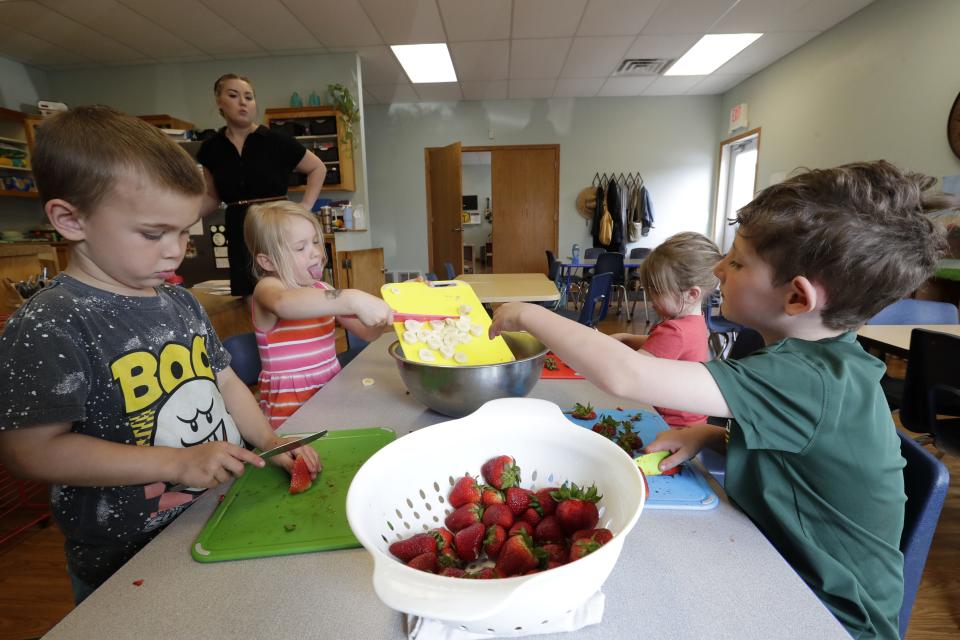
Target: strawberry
x,y
629,441
487,573
546,502
424,562
581,412
448,557
465,491
490,495
468,542
498,514
554,552
501,472
517,556
607,427
519,526
452,572
300,476
548,530
465,516
600,536
519,500
444,538
576,507
581,548
496,535
531,516
406,550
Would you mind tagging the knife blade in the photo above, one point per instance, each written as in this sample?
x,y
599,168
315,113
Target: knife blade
x,y
288,445
419,317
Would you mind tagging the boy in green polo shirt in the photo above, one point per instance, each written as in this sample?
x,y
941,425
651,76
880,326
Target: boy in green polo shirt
x,y
812,452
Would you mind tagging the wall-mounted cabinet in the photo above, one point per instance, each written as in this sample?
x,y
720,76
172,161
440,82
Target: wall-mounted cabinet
x,y
16,177
319,129
354,269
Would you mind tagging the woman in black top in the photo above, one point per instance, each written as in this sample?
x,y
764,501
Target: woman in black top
x,y
246,161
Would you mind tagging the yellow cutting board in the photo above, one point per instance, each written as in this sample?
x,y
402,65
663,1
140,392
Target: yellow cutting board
x,y
445,298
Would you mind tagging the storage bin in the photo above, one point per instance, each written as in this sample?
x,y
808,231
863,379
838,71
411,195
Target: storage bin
x,y
289,127
333,174
322,126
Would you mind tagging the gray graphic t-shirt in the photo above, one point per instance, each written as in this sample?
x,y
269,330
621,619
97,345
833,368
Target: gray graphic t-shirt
x,y
134,370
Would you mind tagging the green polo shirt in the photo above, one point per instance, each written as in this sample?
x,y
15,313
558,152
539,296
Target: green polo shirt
x,y
814,459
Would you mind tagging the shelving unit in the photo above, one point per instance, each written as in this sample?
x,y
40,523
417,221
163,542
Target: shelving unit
x,y
319,129
16,181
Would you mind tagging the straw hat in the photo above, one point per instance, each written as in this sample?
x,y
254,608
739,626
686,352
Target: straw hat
x,y
587,202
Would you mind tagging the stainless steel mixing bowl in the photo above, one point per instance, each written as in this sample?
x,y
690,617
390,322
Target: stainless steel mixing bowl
x,y
459,390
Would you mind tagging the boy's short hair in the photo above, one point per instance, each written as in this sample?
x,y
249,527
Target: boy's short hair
x,y
858,230
263,233
80,153
680,262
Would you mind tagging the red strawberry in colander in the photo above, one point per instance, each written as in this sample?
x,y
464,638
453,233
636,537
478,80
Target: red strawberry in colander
x,y
501,472
576,507
490,495
498,514
424,562
517,556
465,491
406,550
519,500
465,516
492,543
468,542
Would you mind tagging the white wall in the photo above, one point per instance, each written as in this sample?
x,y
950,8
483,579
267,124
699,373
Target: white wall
x,y
670,140
878,85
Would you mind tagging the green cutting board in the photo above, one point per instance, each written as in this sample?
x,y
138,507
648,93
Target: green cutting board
x,y
258,516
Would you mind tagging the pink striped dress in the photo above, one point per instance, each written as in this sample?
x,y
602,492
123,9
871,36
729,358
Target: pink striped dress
x,y
298,358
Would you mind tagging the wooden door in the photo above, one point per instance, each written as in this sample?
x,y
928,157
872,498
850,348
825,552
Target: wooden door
x,y
444,206
363,269
526,207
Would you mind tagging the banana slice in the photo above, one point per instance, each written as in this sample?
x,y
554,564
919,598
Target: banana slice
x,y
427,355
410,337
434,341
476,330
460,357
412,325
446,351
465,309
463,324
464,337
436,324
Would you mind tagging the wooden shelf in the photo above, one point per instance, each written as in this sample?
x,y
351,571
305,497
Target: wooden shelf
x,y
344,155
9,193
326,136
8,167
13,141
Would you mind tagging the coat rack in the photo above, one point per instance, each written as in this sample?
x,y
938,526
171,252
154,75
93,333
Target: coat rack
x,y
630,179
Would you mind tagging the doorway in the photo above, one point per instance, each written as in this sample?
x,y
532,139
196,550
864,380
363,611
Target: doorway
x,y
524,208
477,212
736,184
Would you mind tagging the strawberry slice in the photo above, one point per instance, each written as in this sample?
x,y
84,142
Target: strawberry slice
x,y
300,477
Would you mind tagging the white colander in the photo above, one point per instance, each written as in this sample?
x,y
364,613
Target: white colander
x,y
402,490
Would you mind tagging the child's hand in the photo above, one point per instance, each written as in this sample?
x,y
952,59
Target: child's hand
x,y
683,443
507,318
370,310
285,460
210,464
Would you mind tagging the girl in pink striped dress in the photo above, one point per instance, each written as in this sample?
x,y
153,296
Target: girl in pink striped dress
x,y
294,311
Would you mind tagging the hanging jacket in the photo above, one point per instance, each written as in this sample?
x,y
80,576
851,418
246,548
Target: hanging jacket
x,y
633,215
646,211
597,215
613,205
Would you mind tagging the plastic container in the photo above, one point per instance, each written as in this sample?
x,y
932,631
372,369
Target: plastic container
x,y
385,505
359,218
575,253
348,217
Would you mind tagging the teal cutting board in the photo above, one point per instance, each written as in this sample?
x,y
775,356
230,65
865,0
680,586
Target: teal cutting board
x,y
258,516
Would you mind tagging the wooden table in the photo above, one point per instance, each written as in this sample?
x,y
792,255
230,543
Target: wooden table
x,y
511,287
895,338
682,574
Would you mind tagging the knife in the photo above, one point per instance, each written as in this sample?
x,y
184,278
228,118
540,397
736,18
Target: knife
x,y
419,317
288,445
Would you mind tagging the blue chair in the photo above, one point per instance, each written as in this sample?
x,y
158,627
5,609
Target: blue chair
x,y
354,346
723,332
931,390
591,253
598,292
244,357
555,273
910,311
634,285
449,270
926,481
612,263
430,275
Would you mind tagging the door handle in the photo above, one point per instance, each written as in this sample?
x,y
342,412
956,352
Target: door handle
x,y
457,229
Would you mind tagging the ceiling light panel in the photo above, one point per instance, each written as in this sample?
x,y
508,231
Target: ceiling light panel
x,y
425,62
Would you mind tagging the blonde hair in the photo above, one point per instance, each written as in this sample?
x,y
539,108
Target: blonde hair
x,y
263,233
82,152
218,84
683,261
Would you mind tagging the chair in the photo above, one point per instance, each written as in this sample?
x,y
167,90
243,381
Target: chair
x,y
430,275
449,270
244,357
633,282
598,291
723,332
612,263
931,388
926,481
354,346
591,253
554,272
910,311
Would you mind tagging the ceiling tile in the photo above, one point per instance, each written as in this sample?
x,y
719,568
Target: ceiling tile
x,y
546,18
493,90
406,21
336,23
625,86
820,15
205,29
577,87
541,58
390,93
616,17
17,45
44,24
758,16
686,16
378,65
541,88
487,60
266,22
126,26
672,85
717,83
765,51
438,91
661,46
466,21
595,57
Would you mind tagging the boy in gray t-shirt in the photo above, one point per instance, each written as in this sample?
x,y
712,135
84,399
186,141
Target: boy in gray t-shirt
x,y
115,386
